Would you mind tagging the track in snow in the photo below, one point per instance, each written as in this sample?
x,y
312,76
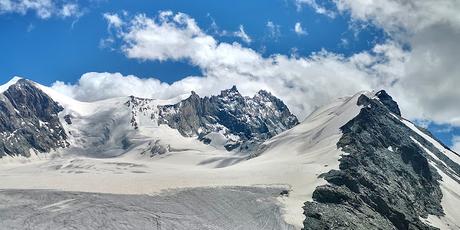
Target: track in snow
x,y
197,208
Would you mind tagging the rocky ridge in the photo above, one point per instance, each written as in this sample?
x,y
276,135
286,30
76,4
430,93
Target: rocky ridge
x,y
228,119
386,180
29,121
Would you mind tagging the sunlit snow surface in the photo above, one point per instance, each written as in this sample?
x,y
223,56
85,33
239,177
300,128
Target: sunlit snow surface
x,y
97,162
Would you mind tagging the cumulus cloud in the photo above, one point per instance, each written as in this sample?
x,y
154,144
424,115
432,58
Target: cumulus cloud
x,y
410,15
98,86
302,82
427,88
42,8
299,30
113,20
417,64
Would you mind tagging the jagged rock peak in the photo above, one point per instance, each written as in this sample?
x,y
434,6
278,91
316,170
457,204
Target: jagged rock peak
x,y
243,121
232,92
388,101
194,95
263,92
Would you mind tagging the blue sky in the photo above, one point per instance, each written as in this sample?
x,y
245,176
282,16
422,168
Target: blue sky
x,y
61,47
47,50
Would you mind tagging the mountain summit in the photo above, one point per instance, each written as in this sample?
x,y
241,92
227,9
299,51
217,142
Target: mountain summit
x,y
29,120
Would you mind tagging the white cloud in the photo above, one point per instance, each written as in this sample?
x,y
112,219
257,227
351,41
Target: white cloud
x,y
456,144
242,34
302,82
69,10
423,78
299,30
412,15
43,8
317,7
113,20
427,87
274,31
97,86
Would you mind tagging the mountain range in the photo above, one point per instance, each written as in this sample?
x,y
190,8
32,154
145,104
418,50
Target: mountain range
x,y
355,163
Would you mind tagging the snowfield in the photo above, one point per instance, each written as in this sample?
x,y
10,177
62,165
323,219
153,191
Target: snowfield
x,y
121,165
98,163
198,208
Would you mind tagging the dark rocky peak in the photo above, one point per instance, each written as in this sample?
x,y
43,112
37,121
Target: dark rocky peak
x,y
26,97
264,94
388,101
29,121
230,93
387,179
241,119
193,96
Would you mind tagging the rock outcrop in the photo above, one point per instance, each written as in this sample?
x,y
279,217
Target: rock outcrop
x,y
29,121
385,180
229,118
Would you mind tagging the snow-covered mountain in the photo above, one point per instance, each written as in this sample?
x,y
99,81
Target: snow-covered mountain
x,y
228,121
28,120
355,163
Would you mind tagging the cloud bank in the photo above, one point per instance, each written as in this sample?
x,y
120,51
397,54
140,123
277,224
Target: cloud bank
x,y
302,82
418,64
427,86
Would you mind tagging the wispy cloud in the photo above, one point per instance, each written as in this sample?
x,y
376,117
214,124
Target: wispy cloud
x,y
44,9
274,31
113,20
242,34
317,7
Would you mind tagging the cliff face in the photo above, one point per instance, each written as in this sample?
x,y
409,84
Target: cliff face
x,y
229,118
29,121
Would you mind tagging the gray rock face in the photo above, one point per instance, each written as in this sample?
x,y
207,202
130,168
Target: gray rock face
x,y
385,182
242,121
387,100
29,120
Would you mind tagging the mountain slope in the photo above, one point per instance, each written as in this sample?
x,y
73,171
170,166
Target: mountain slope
x,y
29,120
114,126
352,164
390,178
292,159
